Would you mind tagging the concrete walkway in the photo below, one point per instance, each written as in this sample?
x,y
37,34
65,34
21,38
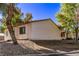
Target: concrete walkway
x,y
75,53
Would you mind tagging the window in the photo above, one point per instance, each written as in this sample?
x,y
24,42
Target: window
x,y
22,30
62,34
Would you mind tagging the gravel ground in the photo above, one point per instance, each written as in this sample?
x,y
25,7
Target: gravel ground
x,y
8,49
24,47
30,48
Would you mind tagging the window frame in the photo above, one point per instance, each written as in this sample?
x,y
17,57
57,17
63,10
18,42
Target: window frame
x,y
22,30
62,34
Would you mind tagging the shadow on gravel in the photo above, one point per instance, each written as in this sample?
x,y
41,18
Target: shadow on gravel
x,y
62,45
52,48
8,49
59,47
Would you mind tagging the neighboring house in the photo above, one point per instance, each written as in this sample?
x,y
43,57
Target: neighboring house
x,y
1,36
44,29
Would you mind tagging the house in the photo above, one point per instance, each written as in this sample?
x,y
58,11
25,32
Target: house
x,y
1,36
44,29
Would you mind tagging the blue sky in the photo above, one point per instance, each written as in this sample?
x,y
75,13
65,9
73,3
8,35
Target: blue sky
x,y
40,10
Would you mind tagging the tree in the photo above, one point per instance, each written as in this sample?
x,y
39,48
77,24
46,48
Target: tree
x,y
9,11
64,24
69,11
15,20
28,17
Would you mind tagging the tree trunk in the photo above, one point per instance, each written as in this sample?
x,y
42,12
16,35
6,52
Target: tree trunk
x,y
8,23
76,29
76,32
67,34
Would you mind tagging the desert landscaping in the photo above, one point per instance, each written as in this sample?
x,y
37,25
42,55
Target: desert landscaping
x,y
38,48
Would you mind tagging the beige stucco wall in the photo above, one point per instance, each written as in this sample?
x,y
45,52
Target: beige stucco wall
x,y
45,30
21,36
18,36
7,37
42,30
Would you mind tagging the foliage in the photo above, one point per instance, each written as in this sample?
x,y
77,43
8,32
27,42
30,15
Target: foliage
x,y
28,17
2,28
15,18
66,15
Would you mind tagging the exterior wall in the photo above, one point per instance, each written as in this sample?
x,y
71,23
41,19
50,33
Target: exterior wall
x,y
18,36
7,35
1,36
42,30
45,30
21,36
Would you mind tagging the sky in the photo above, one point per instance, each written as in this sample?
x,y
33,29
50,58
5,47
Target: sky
x,y
40,10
